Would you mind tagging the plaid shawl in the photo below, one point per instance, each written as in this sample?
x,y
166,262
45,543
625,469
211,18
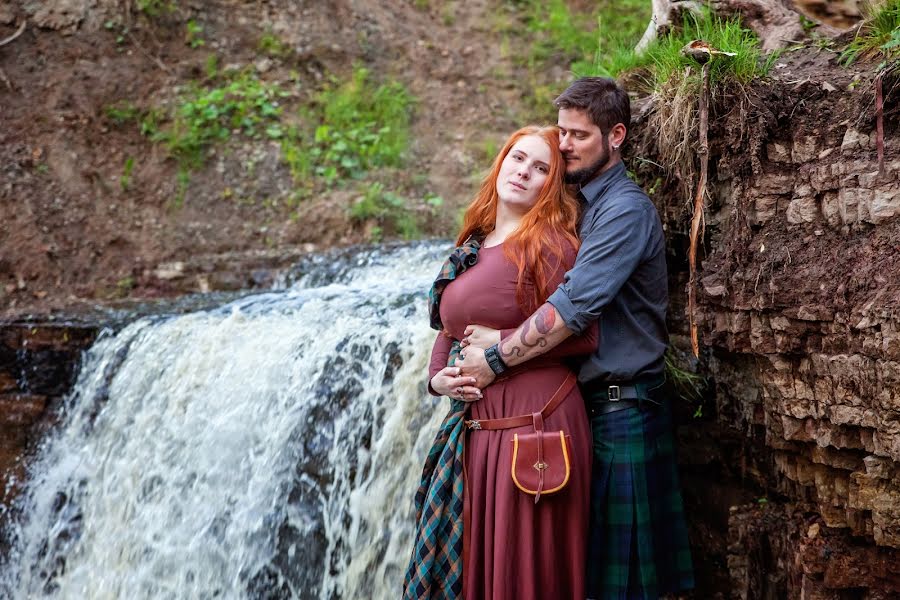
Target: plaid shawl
x,y
436,566
459,260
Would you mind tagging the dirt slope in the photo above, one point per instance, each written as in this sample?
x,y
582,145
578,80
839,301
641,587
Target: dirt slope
x,y
70,229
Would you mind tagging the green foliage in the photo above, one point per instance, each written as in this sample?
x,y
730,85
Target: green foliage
x,y
561,33
192,34
689,386
122,112
155,8
663,60
879,34
125,178
211,67
206,115
387,209
351,128
271,44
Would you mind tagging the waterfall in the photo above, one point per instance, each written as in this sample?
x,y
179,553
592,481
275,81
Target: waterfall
x,y
268,448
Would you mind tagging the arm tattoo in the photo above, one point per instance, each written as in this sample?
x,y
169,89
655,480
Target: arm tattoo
x,y
543,320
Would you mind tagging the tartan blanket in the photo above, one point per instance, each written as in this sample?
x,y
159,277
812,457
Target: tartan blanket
x,y
435,568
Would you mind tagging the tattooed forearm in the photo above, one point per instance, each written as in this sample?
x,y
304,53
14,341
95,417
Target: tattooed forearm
x,y
545,318
539,333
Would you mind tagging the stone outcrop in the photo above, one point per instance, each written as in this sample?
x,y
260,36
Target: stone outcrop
x,y
38,365
799,312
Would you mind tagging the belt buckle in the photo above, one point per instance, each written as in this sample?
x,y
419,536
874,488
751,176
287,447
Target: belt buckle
x,y
473,424
613,393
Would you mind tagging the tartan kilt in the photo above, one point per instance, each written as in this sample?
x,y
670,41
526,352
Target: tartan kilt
x,y
637,542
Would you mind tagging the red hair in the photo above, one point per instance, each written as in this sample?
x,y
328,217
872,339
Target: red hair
x,y
537,245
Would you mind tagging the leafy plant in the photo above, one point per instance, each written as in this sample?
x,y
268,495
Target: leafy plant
x,y
352,127
387,209
206,115
192,34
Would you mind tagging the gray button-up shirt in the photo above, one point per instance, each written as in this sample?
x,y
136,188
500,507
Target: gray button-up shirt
x,y
620,278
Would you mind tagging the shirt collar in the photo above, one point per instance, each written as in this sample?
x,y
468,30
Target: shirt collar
x,y
598,186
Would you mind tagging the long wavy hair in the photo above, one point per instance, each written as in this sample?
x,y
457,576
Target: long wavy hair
x,y
537,245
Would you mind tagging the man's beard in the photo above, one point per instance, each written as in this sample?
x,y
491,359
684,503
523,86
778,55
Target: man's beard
x,y
582,176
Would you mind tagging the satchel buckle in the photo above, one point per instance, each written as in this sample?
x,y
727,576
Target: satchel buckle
x,y
540,466
614,394
473,424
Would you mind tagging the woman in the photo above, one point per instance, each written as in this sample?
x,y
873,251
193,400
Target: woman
x,y
517,241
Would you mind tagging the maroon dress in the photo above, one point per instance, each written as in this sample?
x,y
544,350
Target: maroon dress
x,y
518,549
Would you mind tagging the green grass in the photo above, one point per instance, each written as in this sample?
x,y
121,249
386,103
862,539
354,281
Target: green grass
x,y
155,8
272,45
561,33
351,128
688,385
879,34
663,60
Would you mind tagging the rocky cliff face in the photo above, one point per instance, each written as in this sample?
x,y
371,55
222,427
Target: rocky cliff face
x,y
38,365
799,312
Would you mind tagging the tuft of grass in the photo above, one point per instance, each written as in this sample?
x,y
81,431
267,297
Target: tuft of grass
x,y
122,112
689,385
155,8
879,34
125,177
272,45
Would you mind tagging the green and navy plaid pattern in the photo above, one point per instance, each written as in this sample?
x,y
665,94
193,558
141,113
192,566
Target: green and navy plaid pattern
x,y
638,542
435,568
459,260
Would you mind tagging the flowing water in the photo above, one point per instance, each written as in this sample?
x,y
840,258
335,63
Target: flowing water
x,y
267,448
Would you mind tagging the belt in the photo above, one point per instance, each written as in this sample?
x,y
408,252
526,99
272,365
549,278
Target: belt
x,y
521,421
605,397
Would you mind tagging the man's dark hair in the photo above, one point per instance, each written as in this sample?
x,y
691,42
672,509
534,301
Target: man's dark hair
x,y
605,102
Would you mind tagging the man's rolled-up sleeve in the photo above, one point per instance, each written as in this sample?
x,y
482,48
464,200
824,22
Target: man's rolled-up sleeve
x,y
611,249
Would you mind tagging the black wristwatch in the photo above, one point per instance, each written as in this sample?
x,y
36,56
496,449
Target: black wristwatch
x,y
492,356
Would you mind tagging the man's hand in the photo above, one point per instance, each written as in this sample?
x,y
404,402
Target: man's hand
x,y
480,337
449,382
474,365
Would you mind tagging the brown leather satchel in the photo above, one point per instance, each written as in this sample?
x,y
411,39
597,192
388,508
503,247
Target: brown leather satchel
x,y
541,461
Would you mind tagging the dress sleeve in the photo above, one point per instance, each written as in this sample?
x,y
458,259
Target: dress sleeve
x,y
440,352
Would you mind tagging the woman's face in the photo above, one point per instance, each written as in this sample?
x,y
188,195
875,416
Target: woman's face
x,y
523,172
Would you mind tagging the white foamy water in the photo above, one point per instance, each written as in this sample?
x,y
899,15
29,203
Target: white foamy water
x,y
266,449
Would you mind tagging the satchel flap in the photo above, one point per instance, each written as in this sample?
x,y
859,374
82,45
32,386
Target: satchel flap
x,y
527,468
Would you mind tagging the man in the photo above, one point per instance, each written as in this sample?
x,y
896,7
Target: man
x,y
638,544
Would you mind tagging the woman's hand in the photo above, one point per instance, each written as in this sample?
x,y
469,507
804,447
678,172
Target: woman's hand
x,y
480,337
447,382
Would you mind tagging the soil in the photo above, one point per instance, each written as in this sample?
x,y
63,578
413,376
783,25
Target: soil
x,y
73,234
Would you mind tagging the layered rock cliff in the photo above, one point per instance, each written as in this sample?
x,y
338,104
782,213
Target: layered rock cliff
x,y
799,313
